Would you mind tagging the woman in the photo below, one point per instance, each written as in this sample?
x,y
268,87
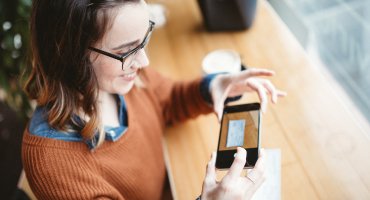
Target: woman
x,y
96,132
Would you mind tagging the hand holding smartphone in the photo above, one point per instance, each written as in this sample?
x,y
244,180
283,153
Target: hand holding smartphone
x,y
240,127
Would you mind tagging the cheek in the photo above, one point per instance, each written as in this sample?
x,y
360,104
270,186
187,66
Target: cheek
x,y
106,70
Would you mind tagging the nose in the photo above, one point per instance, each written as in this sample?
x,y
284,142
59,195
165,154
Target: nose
x,y
143,58
140,60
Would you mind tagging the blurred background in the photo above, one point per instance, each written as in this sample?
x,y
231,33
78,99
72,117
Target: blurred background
x,y
334,33
14,106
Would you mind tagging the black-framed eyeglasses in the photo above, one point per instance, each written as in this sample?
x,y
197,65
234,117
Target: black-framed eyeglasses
x,y
132,52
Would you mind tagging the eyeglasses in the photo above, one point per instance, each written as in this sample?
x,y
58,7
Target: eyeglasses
x,y
130,54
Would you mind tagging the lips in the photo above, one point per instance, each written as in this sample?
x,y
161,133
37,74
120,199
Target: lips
x,y
129,76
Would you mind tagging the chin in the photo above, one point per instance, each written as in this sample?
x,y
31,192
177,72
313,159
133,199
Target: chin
x,y
120,89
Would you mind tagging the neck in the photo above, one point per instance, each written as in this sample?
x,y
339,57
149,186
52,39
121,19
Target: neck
x,y
104,97
108,108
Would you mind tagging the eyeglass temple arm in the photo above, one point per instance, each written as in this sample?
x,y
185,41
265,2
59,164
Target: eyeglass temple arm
x,y
106,53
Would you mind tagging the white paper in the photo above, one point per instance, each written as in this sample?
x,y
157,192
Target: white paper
x,y
271,188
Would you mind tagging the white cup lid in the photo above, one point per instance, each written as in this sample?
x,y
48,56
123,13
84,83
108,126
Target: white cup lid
x,y
223,60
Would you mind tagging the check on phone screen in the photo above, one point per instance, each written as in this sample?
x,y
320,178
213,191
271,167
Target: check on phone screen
x,y
239,130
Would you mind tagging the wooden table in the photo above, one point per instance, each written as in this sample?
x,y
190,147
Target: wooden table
x,y
323,138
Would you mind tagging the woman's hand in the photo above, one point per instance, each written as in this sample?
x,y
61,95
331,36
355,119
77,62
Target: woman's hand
x,y
231,85
233,185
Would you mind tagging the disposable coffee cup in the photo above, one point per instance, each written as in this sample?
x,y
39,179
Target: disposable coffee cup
x,y
221,61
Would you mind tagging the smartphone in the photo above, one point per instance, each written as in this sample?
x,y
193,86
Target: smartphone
x,y
240,127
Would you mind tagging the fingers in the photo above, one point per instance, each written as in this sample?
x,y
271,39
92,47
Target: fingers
x,y
239,83
262,87
260,164
257,174
272,90
255,85
275,94
238,164
210,178
252,72
281,93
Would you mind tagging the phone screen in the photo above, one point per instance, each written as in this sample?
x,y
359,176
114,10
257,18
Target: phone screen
x,y
239,128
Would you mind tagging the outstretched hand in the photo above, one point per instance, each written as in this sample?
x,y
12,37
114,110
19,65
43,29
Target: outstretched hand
x,y
231,85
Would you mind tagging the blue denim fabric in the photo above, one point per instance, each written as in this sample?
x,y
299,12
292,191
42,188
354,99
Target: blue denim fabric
x,y
39,126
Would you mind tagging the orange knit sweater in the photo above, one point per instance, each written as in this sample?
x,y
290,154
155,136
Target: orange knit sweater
x,y
130,168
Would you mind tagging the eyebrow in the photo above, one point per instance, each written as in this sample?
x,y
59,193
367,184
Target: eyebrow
x,y
125,45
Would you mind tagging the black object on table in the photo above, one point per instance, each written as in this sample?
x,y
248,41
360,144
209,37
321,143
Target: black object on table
x,y
227,15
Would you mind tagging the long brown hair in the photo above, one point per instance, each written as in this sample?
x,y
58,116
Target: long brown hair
x,y
62,78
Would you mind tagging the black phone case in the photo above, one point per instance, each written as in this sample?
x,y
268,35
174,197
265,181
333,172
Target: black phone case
x,y
225,158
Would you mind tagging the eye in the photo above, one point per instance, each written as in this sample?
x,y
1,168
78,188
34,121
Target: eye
x,y
126,49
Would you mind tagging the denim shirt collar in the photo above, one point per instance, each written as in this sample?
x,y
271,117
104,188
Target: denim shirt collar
x,y
40,127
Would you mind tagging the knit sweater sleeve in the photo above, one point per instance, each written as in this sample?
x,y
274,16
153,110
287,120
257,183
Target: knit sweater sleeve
x,y
178,100
57,173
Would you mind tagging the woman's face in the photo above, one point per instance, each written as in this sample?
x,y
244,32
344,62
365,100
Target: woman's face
x,y
127,32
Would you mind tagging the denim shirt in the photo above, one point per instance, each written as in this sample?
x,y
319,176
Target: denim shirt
x,y
39,126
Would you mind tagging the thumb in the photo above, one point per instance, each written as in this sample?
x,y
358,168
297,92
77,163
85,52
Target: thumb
x,y
218,108
219,113
210,178
219,105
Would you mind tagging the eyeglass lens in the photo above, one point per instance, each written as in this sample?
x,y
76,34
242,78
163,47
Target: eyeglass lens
x,y
128,61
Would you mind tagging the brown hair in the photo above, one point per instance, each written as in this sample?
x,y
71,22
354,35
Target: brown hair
x,y
62,78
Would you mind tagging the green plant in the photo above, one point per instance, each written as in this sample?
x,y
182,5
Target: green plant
x,y
14,43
